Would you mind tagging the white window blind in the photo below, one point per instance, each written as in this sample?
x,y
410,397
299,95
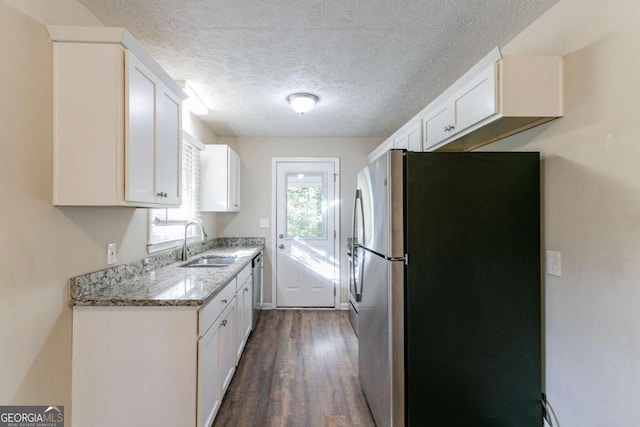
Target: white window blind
x,y
166,226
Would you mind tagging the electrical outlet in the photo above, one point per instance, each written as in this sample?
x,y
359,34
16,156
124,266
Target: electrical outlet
x,y
111,253
554,263
264,222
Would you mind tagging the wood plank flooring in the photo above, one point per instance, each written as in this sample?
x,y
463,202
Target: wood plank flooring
x,y
300,368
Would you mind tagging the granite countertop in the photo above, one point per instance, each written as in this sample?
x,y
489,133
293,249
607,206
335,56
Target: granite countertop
x,y
168,285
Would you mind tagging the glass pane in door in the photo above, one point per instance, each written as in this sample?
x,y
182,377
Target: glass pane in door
x,y
306,205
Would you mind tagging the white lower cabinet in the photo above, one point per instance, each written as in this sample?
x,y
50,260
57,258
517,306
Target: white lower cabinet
x,y
209,396
244,315
161,366
227,355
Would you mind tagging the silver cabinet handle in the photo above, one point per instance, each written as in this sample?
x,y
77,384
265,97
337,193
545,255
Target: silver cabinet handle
x,y
281,246
224,322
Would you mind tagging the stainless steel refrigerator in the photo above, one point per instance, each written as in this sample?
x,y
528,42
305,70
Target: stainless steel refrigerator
x,y
446,258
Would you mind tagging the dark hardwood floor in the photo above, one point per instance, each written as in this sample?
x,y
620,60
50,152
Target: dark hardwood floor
x,y
300,368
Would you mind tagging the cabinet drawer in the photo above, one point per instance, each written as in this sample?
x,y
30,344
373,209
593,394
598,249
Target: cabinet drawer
x,y
210,312
242,277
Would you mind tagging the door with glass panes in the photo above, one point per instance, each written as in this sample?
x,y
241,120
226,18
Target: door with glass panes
x,y
305,234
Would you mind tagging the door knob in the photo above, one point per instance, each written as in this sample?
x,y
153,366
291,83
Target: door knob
x,y
281,246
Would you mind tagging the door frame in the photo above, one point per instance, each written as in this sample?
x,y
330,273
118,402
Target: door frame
x,y
336,221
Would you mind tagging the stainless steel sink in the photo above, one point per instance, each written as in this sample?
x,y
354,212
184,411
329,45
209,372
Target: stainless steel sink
x,y
211,262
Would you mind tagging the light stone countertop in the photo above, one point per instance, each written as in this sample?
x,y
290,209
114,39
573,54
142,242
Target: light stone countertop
x,y
171,285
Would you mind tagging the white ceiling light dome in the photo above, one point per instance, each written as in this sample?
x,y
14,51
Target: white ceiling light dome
x,y
302,102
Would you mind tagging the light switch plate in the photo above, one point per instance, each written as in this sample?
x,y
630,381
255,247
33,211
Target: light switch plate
x,y
111,253
264,222
554,263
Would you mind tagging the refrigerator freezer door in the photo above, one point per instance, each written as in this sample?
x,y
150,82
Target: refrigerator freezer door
x,y
379,209
373,338
373,230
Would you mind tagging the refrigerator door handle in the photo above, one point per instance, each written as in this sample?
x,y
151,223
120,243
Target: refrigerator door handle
x,y
354,230
356,246
386,258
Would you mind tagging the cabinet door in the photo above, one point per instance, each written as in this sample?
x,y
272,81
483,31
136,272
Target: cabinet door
x,y
247,311
239,326
439,125
477,100
209,395
227,350
141,91
234,181
401,142
244,314
414,138
168,149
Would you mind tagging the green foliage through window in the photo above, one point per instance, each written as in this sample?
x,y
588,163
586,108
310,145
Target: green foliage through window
x,y
304,211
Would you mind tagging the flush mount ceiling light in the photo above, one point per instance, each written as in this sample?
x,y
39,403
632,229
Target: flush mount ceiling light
x,y
193,102
302,102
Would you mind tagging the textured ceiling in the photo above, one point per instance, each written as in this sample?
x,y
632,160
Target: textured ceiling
x,y
373,63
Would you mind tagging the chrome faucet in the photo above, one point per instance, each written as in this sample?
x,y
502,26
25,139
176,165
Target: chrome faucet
x,y
185,250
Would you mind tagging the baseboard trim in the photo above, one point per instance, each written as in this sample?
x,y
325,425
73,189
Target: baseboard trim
x,y
269,306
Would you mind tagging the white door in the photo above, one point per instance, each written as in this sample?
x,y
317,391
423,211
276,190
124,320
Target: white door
x,y
305,234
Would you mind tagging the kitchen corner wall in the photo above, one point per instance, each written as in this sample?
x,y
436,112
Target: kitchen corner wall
x,y
591,211
256,155
43,245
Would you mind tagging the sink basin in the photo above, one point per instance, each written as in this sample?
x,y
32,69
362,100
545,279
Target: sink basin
x,y
211,261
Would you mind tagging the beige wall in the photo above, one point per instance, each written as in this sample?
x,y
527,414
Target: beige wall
x,y
256,155
42,245
591,182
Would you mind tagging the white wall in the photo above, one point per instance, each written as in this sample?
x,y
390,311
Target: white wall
x,y
256,155
591,210
42,245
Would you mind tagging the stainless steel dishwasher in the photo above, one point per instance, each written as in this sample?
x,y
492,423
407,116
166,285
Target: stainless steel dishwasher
x,y
256,270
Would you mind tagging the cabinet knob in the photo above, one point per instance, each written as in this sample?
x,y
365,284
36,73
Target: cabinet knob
x,y
224,322
246,289
164,195
224,301
281,246
281,236
159,194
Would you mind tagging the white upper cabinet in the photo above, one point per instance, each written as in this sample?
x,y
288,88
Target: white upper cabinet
x,y
168,171
117,125
414,137
498,97
476,101
220,171
507,97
